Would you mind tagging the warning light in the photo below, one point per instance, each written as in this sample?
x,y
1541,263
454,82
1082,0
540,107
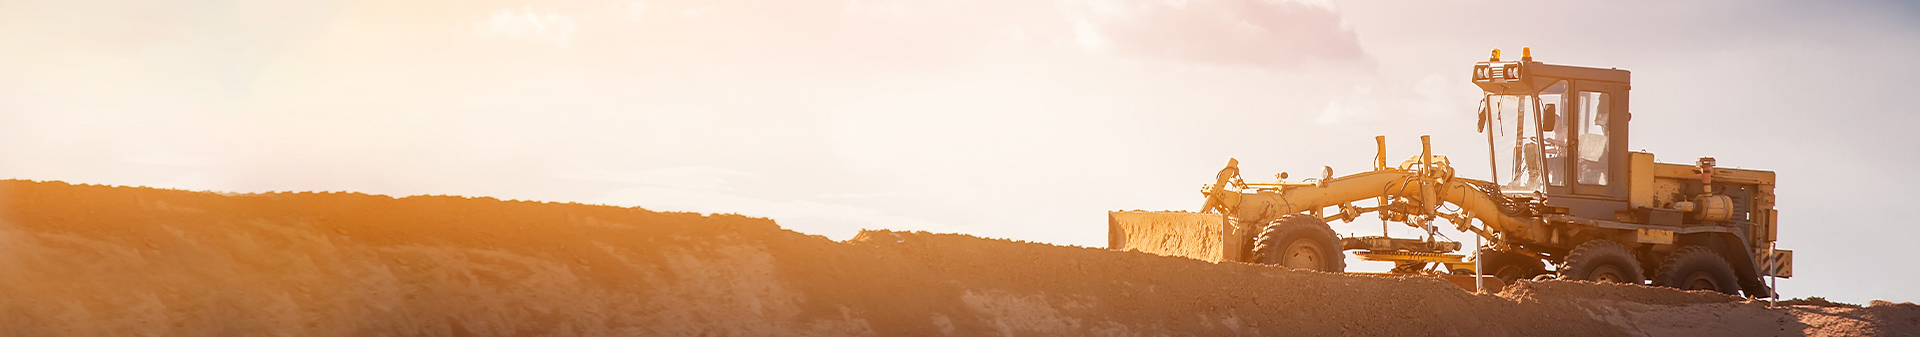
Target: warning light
x,y
1526,54
1496,56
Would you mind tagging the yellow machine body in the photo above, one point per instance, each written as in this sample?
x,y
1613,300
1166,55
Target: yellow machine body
x,y
1651,210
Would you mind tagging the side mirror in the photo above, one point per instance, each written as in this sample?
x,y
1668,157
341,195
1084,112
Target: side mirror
x,y
1549,119
1482,125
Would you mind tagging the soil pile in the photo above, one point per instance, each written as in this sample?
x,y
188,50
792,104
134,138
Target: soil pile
x,y
94,260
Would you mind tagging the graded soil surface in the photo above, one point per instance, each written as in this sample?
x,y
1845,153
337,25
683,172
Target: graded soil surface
x,y
81,260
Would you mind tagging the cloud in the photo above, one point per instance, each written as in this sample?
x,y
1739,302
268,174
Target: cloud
x,y
1255,33
1087,36
874,8
632,11
1223,32
526,24
1432,96
703,178
1360,105
695,12
168,158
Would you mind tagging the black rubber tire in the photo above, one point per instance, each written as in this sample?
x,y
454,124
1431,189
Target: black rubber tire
x,y
1408,267
1697,268
1509,266
1301,242
1251,235
1602,261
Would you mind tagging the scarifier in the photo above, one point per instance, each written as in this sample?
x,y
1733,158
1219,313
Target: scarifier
x,y
1565,192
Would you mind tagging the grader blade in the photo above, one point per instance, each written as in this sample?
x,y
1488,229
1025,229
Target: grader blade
x,y
1202,236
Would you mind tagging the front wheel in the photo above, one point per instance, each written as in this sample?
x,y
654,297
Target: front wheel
x,y
1300,241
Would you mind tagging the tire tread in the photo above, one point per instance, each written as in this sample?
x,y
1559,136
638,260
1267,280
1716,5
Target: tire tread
x,y
1266,247
1579,263
1678,266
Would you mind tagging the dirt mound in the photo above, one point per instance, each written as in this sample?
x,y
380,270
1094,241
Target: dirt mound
x,y
94,260
1584,290
1818,302
1880,319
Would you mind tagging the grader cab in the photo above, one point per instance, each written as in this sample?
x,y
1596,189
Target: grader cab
x,y
1564,192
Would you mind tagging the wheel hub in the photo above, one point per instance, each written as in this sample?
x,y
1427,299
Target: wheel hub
x,y
1302,254
1607,274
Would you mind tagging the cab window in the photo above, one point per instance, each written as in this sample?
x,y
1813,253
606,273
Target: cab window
x,y
1594,116
1554,144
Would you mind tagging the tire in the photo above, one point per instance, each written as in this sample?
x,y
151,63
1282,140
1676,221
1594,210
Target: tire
x,y
1601,261
1300,242
1697,268
1510,266
1408,267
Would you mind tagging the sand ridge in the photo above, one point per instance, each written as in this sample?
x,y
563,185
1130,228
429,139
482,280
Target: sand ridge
x,y
98,260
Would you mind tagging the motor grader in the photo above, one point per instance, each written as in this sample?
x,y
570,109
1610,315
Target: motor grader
x,y
1564,192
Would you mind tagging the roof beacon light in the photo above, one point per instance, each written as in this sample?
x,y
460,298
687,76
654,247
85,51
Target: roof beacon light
x,y
1496,56
1526,54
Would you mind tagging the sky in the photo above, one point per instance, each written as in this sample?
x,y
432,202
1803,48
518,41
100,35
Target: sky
x,y
1025,120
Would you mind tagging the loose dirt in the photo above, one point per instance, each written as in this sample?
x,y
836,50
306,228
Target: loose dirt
x,y
100,261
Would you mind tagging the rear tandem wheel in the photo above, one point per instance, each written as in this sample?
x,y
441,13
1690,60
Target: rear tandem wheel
x,y
1601,261
1697,268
